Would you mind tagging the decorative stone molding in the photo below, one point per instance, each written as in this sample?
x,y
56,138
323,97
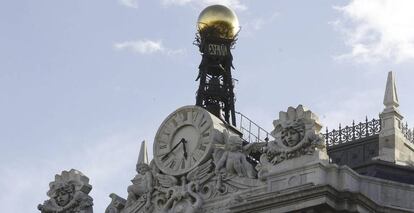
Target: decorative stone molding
x,y
116,205
297,134
225,173
328,186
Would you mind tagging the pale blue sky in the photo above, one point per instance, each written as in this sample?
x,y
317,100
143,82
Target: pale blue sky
x,y
82,83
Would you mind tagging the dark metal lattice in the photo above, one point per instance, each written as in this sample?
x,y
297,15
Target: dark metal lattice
x,y
215,92
408,133
352,133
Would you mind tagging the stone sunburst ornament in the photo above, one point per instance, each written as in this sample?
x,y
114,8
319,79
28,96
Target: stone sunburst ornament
x,y
296,133
68,194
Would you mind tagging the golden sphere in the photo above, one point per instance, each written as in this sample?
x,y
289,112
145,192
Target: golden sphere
x,y
220,19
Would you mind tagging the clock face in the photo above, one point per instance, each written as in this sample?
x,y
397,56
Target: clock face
x,y
184,140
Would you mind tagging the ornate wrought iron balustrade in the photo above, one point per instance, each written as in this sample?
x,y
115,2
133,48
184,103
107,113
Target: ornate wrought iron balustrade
x,y
352,133
408,133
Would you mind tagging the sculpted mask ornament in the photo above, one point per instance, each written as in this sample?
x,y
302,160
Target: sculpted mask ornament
x,y
68,194
64,193
296,133
292,135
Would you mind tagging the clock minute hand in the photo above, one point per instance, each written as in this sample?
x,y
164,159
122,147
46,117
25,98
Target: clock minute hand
x,y
176,145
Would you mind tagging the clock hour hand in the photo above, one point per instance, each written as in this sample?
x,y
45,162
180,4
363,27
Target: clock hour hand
x,y
176,145
184,149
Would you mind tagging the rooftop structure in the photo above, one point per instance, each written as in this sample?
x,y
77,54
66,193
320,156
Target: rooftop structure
x,y
203,163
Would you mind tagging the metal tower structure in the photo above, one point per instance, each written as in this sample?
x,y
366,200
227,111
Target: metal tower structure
x,y
215,38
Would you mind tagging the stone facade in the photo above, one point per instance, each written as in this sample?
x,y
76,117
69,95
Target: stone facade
x,y
293,172
330,187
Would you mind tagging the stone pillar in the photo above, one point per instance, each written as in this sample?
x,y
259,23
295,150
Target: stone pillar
x,y
393,146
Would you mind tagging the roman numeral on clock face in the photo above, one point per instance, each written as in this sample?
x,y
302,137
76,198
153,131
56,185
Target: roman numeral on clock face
x,y
203,123
193,160
165,158
181,117
163,137
171,164
170,127
182,163
198,118
197,154
163,146
206,132
202,147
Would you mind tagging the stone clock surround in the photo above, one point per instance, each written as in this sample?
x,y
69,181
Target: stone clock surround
x,y
200,130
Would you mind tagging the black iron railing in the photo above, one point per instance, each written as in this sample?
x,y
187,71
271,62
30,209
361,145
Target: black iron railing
x,y
408,133
352,133
251,131
254,133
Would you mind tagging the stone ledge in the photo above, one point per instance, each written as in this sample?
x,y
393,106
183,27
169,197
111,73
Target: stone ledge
x,y
323,197
343,179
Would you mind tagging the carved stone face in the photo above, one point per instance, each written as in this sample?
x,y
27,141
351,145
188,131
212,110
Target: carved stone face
x,y
63,197
290,136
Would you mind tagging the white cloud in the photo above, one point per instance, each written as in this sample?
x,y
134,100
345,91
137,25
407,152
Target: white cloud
x,y
140,46
258,23
129,3
234,4
146,47
377,30
176,2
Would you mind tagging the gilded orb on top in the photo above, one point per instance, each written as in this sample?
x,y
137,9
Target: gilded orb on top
x,y
218,20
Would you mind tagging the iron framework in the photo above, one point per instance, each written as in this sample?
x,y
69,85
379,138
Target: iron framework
x,y
215,92
408,133
251,131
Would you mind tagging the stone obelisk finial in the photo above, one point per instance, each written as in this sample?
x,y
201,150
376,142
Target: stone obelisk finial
x,y
143,154
390,97
392,142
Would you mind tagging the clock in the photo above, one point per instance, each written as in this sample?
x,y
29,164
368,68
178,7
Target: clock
x,y
185,139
